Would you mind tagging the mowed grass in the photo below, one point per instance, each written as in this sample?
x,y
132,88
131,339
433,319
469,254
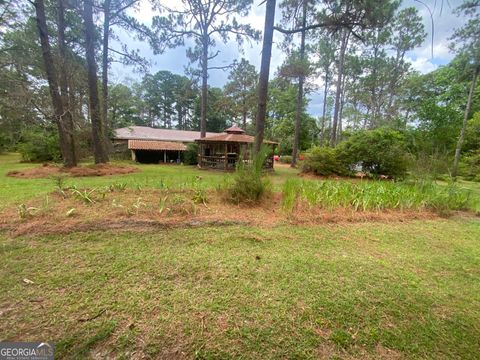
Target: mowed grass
x,y
366,290
15,190
403,290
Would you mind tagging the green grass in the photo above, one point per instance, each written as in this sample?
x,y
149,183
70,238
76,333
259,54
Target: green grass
x,y
14,190
238,292
401,290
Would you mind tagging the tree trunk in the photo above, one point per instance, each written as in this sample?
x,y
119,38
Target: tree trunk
x,y
324,111
203,107
341,61
65,147
67,106
264,73
244,112
301,80
340,114
106,35
464,124
99,151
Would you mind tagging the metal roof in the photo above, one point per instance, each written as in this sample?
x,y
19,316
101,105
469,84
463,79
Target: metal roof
x,y
155,145
148,133
232,137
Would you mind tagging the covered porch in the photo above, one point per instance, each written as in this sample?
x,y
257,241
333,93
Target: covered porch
x,y
224,151
155,152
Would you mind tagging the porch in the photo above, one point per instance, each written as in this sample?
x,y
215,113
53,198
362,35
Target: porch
x,y
224,151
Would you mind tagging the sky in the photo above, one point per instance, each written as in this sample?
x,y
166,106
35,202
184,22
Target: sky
x,y
175,59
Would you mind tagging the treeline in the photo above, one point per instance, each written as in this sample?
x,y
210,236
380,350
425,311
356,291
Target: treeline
x,y
55,58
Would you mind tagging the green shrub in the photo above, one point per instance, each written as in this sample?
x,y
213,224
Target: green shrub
x,y
285,159
379,152
470,166
324,161
249,185
428,166
190,155
39,146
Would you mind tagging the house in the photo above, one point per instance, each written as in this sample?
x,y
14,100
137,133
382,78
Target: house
x,y
223,151
150,145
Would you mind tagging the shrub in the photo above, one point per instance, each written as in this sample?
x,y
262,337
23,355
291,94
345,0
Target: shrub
x,y
430,166
379,152
190,155
249,185
324,161
470,166
39,146
285,159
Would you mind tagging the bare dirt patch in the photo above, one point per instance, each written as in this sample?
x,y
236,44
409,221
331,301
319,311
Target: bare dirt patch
x,y
47,170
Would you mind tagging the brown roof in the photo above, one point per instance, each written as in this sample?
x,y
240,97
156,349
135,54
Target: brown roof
x,y
155,145
234,130
148,133
224,137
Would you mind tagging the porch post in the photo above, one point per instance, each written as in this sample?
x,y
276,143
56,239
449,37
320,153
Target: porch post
x,y
164,156
134,156
225,164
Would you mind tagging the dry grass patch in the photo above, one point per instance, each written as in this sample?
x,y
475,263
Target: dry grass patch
x,y
120,208
49,170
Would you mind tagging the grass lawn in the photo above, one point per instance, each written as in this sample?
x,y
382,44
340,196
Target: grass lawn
x,y
391,290
14,190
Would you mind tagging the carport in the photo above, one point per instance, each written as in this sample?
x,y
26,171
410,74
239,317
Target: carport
x,y
154,151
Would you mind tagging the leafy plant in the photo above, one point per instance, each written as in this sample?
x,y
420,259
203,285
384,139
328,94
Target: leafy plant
x,y
376,195
59,181
190,155
378,152
199,193
180,205
70,212
324,161
115,204
163,203
39,145
249,184
470,166
134,209
25,212
118,187
85,195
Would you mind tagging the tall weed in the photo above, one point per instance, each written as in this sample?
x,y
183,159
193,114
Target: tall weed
x,y
249,183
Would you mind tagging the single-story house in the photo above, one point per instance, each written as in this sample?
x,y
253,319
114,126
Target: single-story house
x,y
150,145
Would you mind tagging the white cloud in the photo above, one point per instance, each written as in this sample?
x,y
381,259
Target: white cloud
x,y
440,51
175,59
422,64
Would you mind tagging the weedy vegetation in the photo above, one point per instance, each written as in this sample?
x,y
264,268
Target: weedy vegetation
x,y
378,195
249,183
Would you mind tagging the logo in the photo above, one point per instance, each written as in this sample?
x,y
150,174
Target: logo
x,y
26,351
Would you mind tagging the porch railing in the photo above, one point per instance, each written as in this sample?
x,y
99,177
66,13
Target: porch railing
x,y
226,162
